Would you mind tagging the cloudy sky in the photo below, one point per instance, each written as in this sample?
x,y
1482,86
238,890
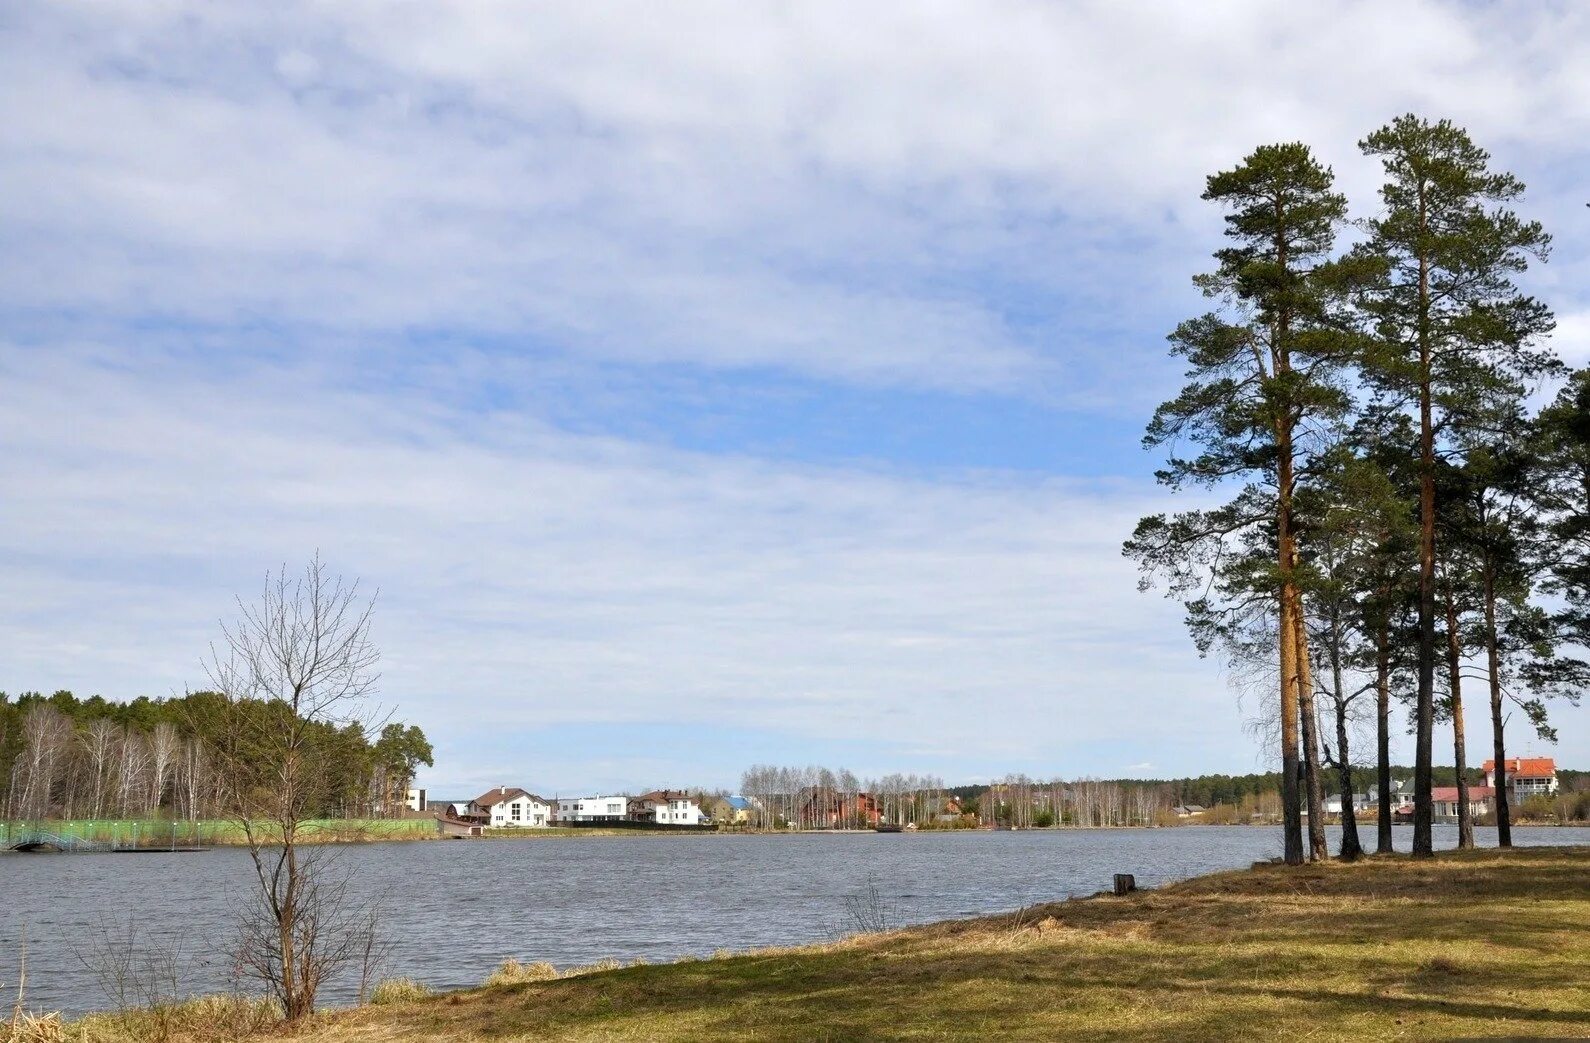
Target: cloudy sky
x,y
699,384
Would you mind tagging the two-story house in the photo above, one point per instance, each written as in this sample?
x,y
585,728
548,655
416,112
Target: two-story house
x,y
665,808
511,808
1526,777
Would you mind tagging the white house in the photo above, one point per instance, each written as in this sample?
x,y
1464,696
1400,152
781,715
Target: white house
x,y
512,808
1360,802
414,800
1444,801
666,808
1401,795
593,809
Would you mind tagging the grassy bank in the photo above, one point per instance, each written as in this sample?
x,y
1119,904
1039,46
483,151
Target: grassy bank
x,y
1479,944
220,832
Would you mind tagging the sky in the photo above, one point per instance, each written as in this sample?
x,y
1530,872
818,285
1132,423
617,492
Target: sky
x,y
697,384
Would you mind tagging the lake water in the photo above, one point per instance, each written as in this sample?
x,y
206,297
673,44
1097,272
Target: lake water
x,y
456,909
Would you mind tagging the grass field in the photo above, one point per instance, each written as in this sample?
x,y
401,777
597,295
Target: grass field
x,y
1481,944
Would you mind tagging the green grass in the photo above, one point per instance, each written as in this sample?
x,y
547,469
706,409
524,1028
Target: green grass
x,y
1479,944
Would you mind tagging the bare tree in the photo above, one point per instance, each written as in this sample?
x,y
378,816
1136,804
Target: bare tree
x,y
191,772
295,663
163,749
133,759
47,746
100,742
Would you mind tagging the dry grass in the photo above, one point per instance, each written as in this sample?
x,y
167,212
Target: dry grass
x,y
210,1019
1480,944
512,972
35,1028
399,990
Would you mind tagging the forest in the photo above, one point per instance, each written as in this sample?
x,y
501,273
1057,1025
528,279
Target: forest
x,y
1393,470
62,757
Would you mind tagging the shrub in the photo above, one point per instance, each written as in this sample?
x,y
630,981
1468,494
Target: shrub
x,y
1540,808
399,990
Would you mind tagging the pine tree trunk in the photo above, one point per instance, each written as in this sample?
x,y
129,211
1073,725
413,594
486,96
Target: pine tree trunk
x,y
1291,806
1454,666
1424,712
1317,849
1352,849
1493,665
1383,843
1294,647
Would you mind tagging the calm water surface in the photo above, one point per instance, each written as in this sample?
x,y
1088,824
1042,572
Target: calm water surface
x,y
457,908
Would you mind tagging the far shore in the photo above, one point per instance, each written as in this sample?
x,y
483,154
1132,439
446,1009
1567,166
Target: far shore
x,y
155,836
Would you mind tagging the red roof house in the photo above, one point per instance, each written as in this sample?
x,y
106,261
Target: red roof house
x,y
1526,776
1445,799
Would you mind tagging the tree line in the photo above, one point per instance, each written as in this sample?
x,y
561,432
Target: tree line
x,y
784,797
62,757
1399,522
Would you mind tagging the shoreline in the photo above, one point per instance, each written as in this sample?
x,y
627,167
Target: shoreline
x,y
360,834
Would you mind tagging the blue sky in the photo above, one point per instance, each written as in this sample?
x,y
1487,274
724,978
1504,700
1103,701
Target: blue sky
x,y
699,385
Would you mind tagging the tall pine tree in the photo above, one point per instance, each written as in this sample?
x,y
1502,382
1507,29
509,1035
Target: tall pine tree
x,y
1453,329
1263,381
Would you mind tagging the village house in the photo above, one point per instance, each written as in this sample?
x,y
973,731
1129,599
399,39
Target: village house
x,y
611,808
1188,810
741,809
665,808
828,809
511,808
1361,802
1444,801
1401,796
1526,777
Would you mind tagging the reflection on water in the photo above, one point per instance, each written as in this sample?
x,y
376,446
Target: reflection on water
x,y
457,908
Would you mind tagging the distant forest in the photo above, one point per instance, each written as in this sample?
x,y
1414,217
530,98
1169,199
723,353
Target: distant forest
x,y
62,757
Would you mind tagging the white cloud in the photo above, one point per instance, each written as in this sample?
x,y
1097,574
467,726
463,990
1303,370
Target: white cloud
x,y
816,187
325,199
1572,338
538,578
